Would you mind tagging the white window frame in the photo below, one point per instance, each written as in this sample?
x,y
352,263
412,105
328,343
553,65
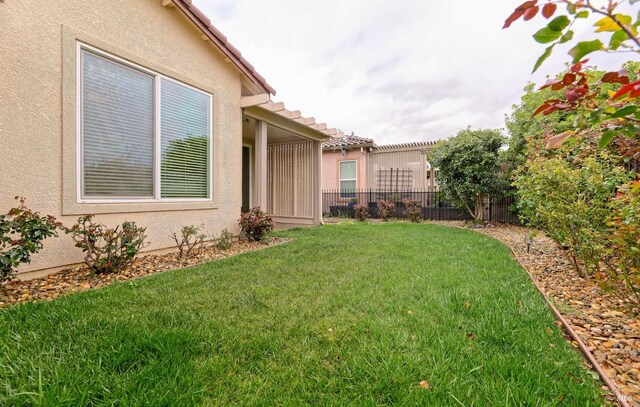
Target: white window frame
x,y
340,179
157,152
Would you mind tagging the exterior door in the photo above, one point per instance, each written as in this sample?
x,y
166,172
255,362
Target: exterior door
x,y
246,178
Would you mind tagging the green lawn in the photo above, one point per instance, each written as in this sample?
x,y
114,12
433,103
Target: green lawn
x,y
346,314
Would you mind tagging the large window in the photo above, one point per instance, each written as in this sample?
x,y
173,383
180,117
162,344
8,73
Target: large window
x,y
143,136
348,178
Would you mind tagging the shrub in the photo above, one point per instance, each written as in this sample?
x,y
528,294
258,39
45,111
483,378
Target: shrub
x,y
107,250
189,241
386,209
568,198
224,241
21,234
624,241
469,168
256,224
361,212
413,210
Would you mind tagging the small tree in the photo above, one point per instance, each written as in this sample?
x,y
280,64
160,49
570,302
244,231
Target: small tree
x,y
609,103
469,168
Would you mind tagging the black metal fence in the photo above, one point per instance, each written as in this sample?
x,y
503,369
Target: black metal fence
x,y
337,203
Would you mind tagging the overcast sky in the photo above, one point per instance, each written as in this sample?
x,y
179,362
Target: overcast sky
x,y
391,70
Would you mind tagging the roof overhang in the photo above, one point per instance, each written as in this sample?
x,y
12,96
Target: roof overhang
x,y
410,146
219,40
261,108
349,147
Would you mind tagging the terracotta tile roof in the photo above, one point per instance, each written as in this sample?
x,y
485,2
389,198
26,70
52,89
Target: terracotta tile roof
x,y
406,145
220,41
347,141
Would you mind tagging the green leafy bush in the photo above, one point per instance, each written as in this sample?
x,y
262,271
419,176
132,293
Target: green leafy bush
x,y
568,197
624,240
107,250
256,224
224,241
189,241
386,210
361,212
469,169
412,210
22,232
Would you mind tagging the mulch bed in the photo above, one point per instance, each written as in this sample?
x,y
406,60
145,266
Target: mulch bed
x,y
81,278
604,322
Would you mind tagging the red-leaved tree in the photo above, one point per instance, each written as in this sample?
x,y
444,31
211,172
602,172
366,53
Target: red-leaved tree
x,y
611,102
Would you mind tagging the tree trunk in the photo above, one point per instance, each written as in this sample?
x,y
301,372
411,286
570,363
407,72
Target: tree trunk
x,y
479,209
576,266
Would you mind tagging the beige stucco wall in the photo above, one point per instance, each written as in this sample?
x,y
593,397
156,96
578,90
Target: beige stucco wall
x,y
330,168
37,125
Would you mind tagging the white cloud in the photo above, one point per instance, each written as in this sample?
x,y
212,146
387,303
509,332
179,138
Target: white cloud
x,y
395,71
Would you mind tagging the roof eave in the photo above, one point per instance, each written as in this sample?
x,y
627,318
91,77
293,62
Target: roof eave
x,y
284,119
201,21
349,147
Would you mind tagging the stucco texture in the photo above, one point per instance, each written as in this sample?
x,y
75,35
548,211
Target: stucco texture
x,y
331,164
37,101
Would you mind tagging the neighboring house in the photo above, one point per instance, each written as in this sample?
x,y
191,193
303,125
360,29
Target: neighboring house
x,y
142,110
401,167
344,163
355,163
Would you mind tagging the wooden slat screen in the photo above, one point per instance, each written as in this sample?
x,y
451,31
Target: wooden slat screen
x,y
290,179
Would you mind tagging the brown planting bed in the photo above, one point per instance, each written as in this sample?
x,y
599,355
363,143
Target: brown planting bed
x,y
81,278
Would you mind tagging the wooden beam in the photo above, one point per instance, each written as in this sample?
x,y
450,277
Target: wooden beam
x,y
330,132
281,121
275,107
306,120
291,114
319,126
167,3
247,101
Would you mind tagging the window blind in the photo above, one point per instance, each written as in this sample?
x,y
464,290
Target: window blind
x,y
117,129
184,135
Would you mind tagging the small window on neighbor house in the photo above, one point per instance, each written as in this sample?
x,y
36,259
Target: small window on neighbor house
x,y
143,136
348,178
